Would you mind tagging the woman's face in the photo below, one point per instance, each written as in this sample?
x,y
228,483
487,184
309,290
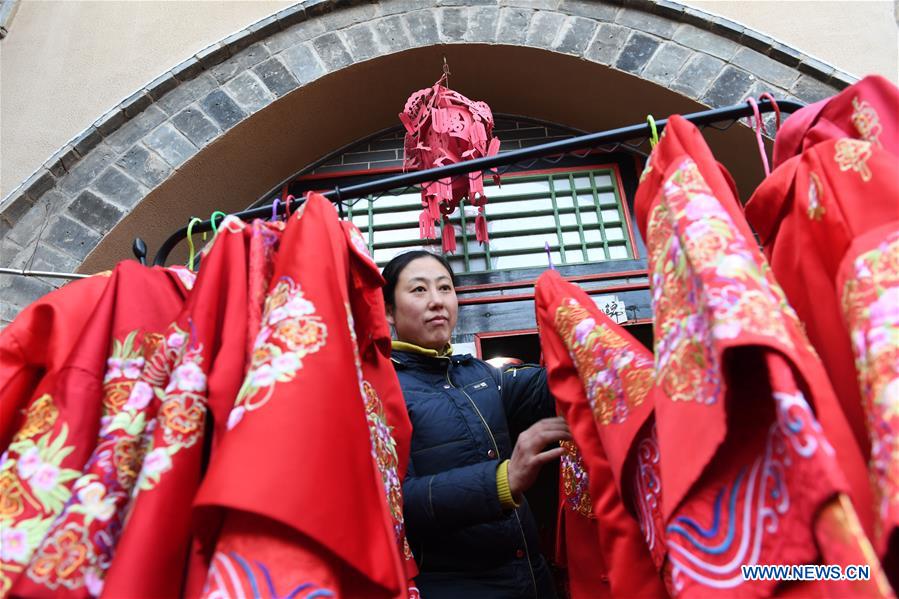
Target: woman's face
x,y
425,305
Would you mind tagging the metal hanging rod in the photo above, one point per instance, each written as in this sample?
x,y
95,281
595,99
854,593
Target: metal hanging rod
x,y
338,194
42,273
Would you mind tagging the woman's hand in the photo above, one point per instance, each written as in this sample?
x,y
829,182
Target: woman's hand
x,y
528,457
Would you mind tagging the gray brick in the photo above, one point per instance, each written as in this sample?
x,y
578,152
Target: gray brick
x,y
576,35
811,90
785,54
513,25
545,26
608,42
705,41
395,7
756,41
212,55
222,109
96,213
332,51
168,142
647,22
666,63
9,253
453,23
162,85
88,168
591,9
422,27
22,291
344,17
264,28
303,63
726,27
145,166
110,121
30,223
637,52
187,92
535,4
668,9
816,68
39,183
297,34
697,75
360,40
16,205
249,92
87,140
482,24
61,161
841,80
240,62
765,68
730,87
188,69
72,237
237,41
196,126
133,130
391,34
292,15
276,76
135,103
117,187
50,259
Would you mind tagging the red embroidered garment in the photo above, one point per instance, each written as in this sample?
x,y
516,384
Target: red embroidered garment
x,y
839,203
733,371
307,432
444,127
600,377
70,469
866,111
197,368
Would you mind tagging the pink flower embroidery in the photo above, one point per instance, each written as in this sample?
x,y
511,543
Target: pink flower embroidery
x,y
188,377
13,545
29,462
157,461
141,394
113,369
93,581
583,329
131,368
175,340
263,376
45,478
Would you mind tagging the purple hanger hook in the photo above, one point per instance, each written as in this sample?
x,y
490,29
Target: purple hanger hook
x,y
275,205
549,257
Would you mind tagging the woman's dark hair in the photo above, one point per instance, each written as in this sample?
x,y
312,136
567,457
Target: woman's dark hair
x,y
395,267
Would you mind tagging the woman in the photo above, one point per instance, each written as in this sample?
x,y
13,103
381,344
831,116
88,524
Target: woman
x,y
470,528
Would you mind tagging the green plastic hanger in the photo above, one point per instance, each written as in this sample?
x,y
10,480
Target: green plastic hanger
x,y
190,242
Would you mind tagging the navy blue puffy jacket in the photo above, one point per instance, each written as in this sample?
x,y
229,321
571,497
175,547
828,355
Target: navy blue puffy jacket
x,y
461,411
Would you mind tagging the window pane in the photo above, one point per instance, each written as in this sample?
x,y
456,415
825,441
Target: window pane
x,y
523,224
395,236
614,233
603,180
526,260
610,216
618,252
511,188
607,198
596,254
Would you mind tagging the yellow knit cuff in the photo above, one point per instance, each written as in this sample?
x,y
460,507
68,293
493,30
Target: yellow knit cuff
x,y
502,486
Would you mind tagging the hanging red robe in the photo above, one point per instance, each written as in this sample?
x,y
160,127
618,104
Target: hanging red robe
x,y
829,222
600,377
197,367
866,110
300,449
733,371
69,469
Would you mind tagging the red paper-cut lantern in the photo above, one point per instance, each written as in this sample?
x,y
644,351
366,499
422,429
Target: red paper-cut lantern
x,y
444,127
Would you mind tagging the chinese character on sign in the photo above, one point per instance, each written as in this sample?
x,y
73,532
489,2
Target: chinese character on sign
x,y
613,307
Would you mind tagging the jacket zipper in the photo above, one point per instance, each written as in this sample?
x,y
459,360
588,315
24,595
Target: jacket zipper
x,y
496,449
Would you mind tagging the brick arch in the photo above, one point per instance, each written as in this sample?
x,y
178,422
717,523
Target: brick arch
x,y
180,120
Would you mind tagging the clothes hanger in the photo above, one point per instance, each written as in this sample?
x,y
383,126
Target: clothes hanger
x,y
653,131
275,205
755,121
190,241
215,229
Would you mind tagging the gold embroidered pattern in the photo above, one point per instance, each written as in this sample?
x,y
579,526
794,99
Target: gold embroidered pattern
x,y
853,154
866,121
815,193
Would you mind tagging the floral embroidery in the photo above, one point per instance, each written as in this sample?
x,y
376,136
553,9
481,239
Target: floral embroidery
x,y
358,242
853,154
291,330
234,575
708,286
62,554
575,484
648,495
866,121
815,195
871,309
383,445
616,378
34,485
